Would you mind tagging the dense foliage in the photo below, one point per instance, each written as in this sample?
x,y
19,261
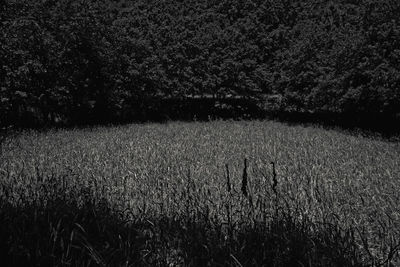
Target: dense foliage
x,y
73,61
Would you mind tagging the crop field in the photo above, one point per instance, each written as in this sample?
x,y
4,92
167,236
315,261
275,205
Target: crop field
x,y
220,193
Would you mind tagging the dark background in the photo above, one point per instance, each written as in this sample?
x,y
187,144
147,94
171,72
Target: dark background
x,y
74,62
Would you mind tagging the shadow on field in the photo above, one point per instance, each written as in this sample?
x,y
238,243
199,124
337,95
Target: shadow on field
x,y
84,231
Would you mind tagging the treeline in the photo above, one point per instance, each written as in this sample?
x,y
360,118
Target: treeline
x,y
84,61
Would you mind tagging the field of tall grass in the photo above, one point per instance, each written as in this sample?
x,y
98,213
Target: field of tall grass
x,y
221,193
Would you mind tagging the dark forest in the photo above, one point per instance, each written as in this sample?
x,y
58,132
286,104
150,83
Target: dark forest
x,y
74,62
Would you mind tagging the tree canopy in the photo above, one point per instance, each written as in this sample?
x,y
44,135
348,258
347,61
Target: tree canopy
x,y
72,61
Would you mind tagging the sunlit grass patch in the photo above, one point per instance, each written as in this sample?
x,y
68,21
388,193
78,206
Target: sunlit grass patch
x,y
179,170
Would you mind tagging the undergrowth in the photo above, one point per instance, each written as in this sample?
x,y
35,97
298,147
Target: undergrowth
x,y
77,229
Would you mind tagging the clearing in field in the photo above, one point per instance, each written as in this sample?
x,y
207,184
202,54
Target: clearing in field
x,y
186,186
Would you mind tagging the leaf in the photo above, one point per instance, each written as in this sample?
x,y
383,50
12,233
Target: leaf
x,y
21,94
